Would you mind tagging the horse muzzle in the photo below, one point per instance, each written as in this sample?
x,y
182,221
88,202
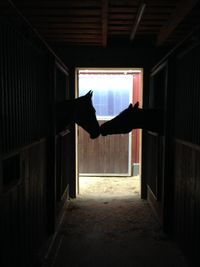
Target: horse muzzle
x,y
103,129
94,135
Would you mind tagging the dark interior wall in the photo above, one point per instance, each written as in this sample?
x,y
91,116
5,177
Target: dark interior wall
x,y
187,150
22,90
23,160
29,200
135,55
173,174
34,179
23,223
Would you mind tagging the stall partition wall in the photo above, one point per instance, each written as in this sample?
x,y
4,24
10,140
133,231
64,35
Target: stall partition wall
x,y
23,164
110,155
32,184
187,151
62,141
155,149
172,160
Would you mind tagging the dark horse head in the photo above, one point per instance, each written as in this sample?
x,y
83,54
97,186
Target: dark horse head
x,y
85,115
79,110
133,118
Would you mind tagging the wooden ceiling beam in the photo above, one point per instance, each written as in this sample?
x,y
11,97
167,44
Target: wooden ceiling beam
x,y
59,25
70,31
82,12
73,39
183,9
104,22
59,19
61,3
121,10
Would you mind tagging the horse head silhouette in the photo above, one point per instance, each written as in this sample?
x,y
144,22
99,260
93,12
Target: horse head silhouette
x,y
133,118
81,111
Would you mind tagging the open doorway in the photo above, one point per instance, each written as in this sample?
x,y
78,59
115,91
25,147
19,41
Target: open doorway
x,y
110,160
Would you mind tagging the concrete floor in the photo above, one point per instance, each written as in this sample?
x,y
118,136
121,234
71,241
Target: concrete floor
x,y
108,225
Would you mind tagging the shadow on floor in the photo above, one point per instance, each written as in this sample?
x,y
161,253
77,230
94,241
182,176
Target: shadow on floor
x,y
112,231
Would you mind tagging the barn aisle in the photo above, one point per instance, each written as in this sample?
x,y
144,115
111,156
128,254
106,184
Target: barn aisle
x,y
101,228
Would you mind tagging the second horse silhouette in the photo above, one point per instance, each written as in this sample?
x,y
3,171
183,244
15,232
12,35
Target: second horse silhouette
x,y
134,118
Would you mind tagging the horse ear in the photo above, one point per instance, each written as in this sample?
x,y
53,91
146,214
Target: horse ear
x,y
130,106
136,105
89,94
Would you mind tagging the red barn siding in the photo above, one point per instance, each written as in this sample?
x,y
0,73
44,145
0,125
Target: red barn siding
x,y
136,133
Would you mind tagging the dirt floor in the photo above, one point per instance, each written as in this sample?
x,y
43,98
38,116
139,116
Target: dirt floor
x,y
108,225
109,187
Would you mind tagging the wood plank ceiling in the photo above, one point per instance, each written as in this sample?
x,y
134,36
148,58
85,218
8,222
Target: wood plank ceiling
x,y
101,22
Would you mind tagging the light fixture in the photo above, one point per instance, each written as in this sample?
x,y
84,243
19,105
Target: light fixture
x,y
137,20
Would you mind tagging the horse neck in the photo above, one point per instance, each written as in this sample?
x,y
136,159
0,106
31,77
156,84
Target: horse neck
x,y
71,109
148,118
139,118
76,109
67,109
138,114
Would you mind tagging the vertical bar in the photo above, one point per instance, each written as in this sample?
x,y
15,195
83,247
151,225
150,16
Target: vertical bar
x,y
14,89
6,90
23,96
25,93
197,102
10,88
28,93
1,97
28,90
16,64
18,52
51,148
